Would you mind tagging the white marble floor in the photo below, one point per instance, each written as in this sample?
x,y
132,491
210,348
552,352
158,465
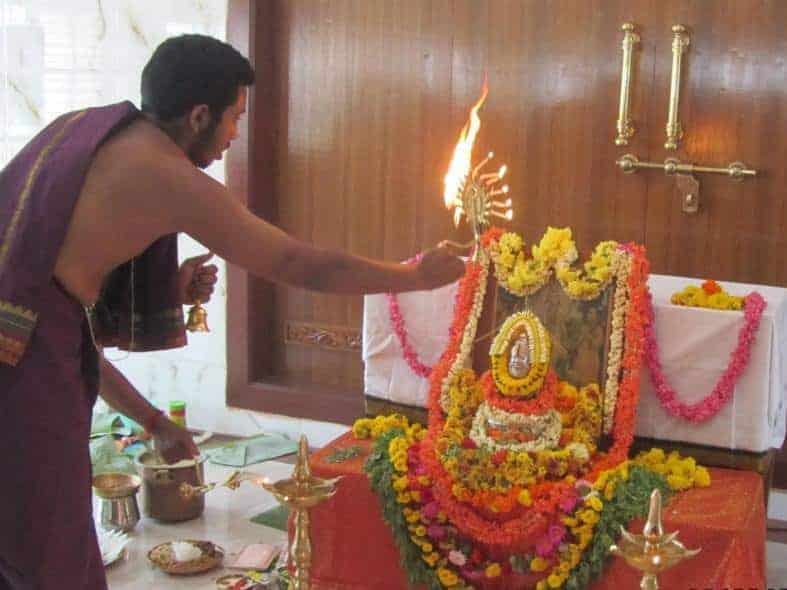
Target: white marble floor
x,y
225,522
776,559
776,553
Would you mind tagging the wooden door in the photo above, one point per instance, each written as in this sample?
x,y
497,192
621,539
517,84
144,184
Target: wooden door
x,y
358,106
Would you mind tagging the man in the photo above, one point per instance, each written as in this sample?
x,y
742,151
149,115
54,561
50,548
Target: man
x,y
88,214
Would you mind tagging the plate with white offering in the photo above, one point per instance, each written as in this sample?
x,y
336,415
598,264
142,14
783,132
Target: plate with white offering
x,y
186,556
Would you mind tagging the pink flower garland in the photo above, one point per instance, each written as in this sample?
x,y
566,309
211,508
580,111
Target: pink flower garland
x,y
708,407
397,321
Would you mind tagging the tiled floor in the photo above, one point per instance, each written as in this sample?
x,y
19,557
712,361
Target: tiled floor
x,y
777,564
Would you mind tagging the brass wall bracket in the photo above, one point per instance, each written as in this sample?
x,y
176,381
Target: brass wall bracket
x,y
680,43
625,128
736,170
686,183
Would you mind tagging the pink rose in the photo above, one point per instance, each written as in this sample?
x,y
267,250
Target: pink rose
x,y
457,558
568,502
472,575
435,532
544,548
556,533
431,510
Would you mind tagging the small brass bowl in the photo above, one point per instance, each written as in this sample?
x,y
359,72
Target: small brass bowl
x,y
116,485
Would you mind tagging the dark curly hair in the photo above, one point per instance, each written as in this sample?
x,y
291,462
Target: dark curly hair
x,y
190,70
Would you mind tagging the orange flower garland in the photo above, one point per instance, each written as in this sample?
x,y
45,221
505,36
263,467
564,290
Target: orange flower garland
x,y
541,404
636,319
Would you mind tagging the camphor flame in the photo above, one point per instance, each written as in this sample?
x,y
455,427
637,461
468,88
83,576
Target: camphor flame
x,y
460,163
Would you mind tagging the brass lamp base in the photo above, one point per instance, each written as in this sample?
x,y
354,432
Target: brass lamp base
x,y
654,550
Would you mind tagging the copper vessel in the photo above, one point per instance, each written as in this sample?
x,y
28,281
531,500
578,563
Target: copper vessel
x,y
161,484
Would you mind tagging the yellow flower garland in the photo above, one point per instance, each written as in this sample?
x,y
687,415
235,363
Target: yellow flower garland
x,y
374,428
710,295
680,473
587,283
556,251
519,468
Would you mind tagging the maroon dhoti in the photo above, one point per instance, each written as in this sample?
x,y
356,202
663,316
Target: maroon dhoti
x,y
47,538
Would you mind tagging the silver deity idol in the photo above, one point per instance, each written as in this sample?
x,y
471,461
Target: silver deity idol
x,y
519,361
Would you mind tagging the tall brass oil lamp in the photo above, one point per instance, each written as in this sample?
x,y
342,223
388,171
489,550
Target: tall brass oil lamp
x,y
653,551
299,493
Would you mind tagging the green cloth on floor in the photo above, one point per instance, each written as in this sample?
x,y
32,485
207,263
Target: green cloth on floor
x,y
113,423
253,450
276,518
105,456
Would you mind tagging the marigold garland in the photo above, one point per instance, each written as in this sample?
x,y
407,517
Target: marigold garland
x,y
709,295
540,404
556,251
520,531
539,347
636,321
467,310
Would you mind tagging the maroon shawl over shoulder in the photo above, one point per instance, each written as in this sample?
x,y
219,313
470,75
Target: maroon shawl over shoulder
x,y
38,191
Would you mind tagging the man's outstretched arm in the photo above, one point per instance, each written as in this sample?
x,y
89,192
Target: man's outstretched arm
x,y
206,211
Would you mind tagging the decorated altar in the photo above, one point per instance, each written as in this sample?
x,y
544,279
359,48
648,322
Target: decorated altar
x,y
497,449
521,477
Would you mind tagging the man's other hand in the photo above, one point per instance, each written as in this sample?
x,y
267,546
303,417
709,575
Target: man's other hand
x,y
173,442
440,266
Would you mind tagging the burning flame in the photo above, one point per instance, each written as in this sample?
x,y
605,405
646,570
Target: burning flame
x,y
460,163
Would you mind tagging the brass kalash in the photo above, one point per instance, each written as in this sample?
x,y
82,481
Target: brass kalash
x,y
653,551
299,493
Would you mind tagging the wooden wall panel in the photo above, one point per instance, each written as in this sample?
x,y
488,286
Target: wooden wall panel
x,y
733,108
359,104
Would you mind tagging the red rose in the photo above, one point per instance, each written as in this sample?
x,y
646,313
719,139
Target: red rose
x,y
499,456
469,443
